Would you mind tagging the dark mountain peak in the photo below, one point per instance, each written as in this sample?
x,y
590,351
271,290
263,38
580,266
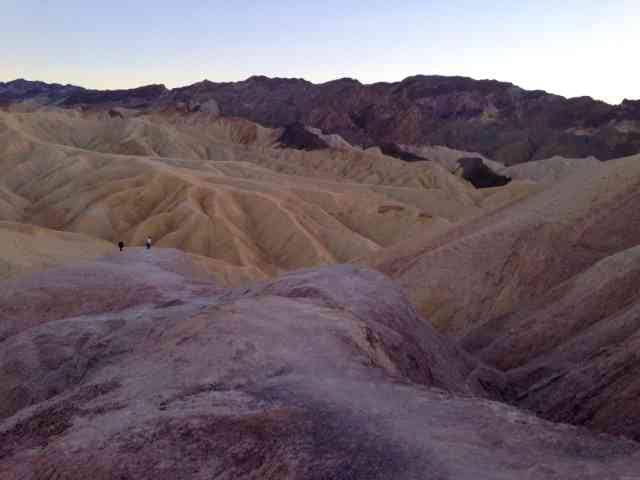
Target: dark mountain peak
x,y
134,97
20,82
584,98
24,83
454,80
257,79
203,84
156,87
21,90
196,88
630,105
433,78
344,81
261,79
418,86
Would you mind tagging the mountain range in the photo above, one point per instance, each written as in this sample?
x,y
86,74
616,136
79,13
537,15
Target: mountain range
x,y
497,119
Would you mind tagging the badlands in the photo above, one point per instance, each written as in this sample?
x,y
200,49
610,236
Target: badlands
x,y
309,308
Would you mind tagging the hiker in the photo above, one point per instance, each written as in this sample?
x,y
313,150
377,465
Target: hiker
x,y
121,245
148,243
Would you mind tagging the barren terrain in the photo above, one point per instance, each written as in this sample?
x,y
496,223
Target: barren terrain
x,y
325,312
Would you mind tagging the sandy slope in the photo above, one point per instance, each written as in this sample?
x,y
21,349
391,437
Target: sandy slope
x,y
550,170
546,291
216,188
514,254
27,248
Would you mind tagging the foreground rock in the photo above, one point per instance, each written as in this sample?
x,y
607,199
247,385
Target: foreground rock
x,y
325,373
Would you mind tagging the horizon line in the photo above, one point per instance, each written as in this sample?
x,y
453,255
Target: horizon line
x,y
257,76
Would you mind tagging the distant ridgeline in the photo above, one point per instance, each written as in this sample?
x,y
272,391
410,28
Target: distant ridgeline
x,y
497,119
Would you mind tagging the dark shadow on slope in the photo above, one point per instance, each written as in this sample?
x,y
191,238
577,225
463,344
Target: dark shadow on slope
x,y
297,136
474,170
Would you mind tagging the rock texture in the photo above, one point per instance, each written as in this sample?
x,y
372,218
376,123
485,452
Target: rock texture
x,y
217,188
578,360
212,361
545,291
325,373
497,119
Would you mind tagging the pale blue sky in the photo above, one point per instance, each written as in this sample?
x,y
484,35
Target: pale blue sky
x,y
569,47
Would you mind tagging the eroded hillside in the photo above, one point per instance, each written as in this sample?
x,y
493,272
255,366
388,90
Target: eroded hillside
x,y
236,347
219,188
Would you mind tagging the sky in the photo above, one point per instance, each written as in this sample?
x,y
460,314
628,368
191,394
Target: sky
x,y
568,47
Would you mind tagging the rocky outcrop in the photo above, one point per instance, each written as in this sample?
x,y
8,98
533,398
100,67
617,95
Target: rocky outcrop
x,y
394,150
474,170
298,137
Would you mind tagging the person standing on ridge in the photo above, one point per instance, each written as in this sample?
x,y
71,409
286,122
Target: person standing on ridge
x,y
148,243
121,245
